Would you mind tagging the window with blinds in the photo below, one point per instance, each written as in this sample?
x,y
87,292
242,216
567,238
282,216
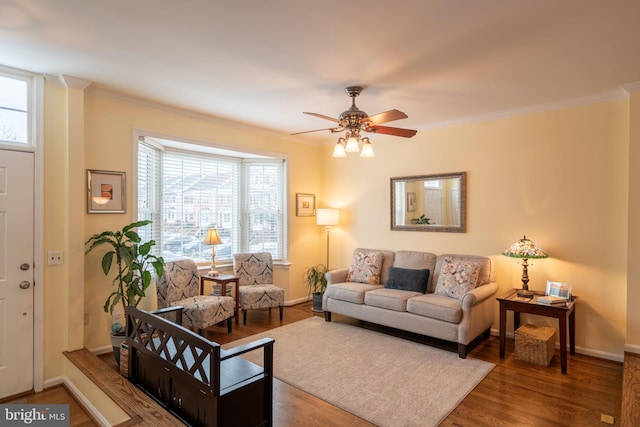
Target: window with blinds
x,y
185,193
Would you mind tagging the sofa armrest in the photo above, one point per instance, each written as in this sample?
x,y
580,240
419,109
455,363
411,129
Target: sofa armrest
x,y
336,276
479,294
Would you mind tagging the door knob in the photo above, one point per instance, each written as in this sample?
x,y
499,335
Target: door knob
x,y
24,284
24,267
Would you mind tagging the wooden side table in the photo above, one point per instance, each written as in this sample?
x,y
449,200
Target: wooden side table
x,y
223,280
565,314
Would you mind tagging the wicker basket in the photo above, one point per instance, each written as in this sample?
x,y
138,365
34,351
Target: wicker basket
x,y
124,359
535,344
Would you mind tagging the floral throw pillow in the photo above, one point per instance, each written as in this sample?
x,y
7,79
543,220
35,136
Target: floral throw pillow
x,y
365,267
457,278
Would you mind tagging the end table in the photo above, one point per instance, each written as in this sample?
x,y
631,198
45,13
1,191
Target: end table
x,y
565,313
223,280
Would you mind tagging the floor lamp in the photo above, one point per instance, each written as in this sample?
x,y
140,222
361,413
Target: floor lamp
x,y
327,217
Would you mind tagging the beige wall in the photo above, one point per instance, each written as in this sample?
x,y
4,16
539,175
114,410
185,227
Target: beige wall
x,y
110,125
560,177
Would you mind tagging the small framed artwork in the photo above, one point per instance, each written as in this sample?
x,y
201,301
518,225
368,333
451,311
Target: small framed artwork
x,y
558,289
411,201
106,191
305,204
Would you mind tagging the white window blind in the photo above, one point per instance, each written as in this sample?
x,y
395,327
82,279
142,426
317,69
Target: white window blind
x,y
185,193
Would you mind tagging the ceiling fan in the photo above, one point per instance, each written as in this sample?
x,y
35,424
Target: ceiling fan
x,y
354,121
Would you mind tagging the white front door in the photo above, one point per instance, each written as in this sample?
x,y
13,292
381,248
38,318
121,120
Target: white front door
x,y
433,205
16,271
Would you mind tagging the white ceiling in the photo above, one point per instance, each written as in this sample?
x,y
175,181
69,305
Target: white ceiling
x,y
264,62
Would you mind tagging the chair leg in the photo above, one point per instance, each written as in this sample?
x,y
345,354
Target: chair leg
x,y
229,325
281,312
244,316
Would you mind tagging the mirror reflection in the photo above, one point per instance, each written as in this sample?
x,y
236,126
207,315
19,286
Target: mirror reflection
x,y
429,202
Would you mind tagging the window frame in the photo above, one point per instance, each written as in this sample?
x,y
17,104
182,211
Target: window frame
x,y
35,108
189,146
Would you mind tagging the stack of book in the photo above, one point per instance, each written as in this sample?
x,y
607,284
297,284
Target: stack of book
x,y
552,300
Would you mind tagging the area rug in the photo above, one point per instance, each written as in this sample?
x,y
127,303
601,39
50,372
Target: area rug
x,y
388,381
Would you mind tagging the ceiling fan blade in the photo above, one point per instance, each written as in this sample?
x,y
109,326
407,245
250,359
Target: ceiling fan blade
x,y
387,130
387,116
322,116
315,130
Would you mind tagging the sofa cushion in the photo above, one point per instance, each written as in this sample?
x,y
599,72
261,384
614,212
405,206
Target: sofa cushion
x,y
419,261
484,276
407,279
350,291
366,266
390,299
457,277
436,307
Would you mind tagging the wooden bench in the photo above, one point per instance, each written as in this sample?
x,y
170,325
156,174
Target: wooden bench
x,y
194,378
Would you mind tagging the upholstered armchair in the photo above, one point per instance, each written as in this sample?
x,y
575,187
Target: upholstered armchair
x,y
256,288
180,286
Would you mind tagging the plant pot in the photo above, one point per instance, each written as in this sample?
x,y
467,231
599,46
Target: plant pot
x,y
116,341
317,302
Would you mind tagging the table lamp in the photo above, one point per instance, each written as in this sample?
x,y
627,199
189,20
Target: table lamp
x,y
525,249
212,239
327,217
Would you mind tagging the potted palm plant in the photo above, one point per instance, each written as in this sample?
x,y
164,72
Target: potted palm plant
x,y
133,261
316,281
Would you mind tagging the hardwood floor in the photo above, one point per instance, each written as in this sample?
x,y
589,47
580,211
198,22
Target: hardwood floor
x,y
58,395
513,394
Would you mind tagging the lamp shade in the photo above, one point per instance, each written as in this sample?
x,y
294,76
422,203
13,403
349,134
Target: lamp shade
x,y
367,148
327,217
525,248
212,238
338,150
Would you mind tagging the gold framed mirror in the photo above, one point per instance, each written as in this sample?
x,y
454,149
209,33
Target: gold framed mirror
x,y
429,202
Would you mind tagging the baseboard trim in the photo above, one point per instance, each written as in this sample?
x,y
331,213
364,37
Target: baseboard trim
x,y
632,348
579,350
79,397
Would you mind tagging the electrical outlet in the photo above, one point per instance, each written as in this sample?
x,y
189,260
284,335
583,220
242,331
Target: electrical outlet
x,y
607,419
54,258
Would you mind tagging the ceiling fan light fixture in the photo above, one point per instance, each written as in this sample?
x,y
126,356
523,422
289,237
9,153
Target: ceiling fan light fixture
x,y
367,148
338,150
352,143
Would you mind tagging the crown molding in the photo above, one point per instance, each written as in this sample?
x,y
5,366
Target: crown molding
x,y
74,82
62,80
621,92
631,87
117,96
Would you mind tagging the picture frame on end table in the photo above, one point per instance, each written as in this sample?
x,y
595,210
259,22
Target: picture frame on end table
x,y
106,191
558,289
305,204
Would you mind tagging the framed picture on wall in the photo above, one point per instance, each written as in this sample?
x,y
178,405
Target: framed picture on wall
x,y
106,191
411,201
305,204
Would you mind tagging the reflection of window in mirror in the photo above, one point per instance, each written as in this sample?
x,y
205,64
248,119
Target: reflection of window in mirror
x,y
429,202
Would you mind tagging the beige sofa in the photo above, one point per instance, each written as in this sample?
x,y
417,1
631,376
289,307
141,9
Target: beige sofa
x,y
455,303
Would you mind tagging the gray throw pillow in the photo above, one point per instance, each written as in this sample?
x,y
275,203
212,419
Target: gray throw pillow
x,y
407,279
